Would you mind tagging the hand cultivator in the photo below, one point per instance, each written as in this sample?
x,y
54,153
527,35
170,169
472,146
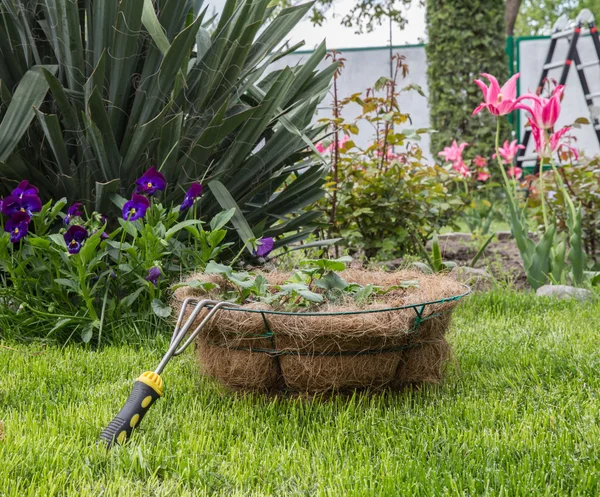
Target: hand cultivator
x,y
148,387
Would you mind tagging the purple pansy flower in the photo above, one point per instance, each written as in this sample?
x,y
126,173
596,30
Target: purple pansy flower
x,y
265,245
191,195
74,238
151,182
153,275
135,208
73,211
27,204
17,226
24,188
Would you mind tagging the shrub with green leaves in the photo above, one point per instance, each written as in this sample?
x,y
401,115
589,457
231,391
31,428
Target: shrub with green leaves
x,y
93,92
384,200
466,38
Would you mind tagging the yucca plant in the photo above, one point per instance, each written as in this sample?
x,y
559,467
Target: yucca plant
x,y
93,92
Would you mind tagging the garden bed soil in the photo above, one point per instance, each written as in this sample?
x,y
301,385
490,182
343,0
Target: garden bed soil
x,y
501,258
310,351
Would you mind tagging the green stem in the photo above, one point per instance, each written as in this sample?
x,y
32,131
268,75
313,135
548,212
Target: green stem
x,y
103,313
563,189
542,188
84,289
239,254
500,163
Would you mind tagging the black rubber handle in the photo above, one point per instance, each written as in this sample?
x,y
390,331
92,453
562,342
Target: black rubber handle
x,y
141,399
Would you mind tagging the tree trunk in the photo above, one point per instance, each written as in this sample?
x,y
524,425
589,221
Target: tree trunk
x,y
512,12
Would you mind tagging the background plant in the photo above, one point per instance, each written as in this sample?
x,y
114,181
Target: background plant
x,y
465,39
95,92
583,185
63,274
384,201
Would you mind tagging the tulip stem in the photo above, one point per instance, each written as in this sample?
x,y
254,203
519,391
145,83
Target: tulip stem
x,y
499,159
542,189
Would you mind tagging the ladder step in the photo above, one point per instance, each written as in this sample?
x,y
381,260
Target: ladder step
x,y
569,32
588,64
563,34
592,95
527,158
554,65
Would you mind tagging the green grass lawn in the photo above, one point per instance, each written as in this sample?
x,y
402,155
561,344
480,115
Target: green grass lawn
x,y
519,415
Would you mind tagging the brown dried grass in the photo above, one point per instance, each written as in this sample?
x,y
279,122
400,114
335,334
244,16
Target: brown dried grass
x,y
317,351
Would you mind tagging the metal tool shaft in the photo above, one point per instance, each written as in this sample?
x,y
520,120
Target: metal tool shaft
x,y
182,328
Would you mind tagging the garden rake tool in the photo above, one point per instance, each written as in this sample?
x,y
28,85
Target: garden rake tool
x,y
148,387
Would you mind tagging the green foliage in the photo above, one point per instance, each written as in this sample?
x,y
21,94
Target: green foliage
x,y
537,17
385,200
583,185
316,282
387,213
517,418
109,280
95,92
466,38
435,262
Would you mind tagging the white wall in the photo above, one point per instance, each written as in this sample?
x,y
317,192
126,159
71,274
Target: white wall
x,y
531,56
364,66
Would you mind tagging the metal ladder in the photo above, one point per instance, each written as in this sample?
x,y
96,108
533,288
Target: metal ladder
x,y
559,31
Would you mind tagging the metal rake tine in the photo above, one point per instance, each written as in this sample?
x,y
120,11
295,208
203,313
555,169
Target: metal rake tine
x,y
200,304
217,306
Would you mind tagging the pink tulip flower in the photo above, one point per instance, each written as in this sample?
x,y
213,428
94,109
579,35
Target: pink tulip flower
x,y
544,112
509,151
480,161
483,176
499,101
556,141
454,152
515,172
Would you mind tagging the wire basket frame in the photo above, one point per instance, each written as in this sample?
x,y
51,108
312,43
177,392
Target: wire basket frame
x,y
273,351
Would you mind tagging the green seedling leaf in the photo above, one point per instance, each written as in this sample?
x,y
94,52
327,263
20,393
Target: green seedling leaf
x,y
161,309
221,219
311,296
337,265
204,285
426,268
436,255
362,295
261,285
215,268
331,281
243,280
